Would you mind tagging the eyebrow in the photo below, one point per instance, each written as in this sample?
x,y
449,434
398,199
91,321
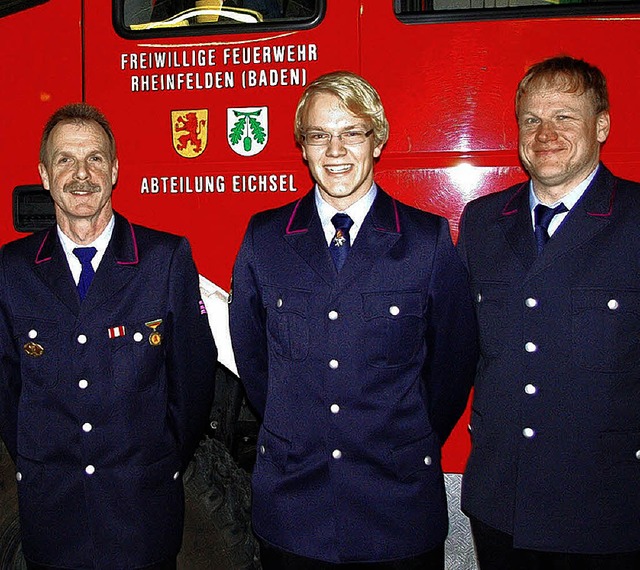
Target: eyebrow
x,y
347,128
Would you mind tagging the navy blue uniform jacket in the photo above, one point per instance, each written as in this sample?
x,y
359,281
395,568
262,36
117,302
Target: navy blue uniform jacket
x,y
101,428
359,376
556,412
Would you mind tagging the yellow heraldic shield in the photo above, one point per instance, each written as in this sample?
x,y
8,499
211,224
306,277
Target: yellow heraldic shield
x,y
189,131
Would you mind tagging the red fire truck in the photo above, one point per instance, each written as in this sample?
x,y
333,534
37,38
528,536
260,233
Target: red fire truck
x,y
201,96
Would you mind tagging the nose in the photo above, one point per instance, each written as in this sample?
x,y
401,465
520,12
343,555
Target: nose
x,y
335,147
546,132
82,171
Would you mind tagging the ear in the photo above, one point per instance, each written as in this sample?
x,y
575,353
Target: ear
x,y
603,125
377,151
114,171
304,153
44,175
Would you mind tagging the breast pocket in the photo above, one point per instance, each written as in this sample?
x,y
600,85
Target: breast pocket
x,y
137,355
606,329
287,321
39,343
491,309
395,327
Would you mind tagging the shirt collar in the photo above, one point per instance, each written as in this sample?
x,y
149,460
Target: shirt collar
x,y
100,243
570,199
357,211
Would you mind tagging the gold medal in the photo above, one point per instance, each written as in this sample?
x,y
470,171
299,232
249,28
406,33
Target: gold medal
x,y
155,338
34,349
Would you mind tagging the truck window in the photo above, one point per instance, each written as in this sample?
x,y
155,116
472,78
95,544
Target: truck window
x,y
413,11
11,6
210,16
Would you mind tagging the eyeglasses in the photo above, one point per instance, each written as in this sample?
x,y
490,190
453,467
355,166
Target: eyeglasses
x,y
347,138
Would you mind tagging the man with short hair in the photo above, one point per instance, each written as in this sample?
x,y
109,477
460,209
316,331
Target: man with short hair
x,y
106,367
553,477
354,335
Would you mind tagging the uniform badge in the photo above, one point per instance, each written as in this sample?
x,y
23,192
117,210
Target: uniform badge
x,y
34,349
155,338
115,332
247,129
203,308
339,239
189,131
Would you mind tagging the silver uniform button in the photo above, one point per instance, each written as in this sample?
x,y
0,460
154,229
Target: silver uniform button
x,y
18,476
279,303
479,297
530,389
336,454
638,454
528,432
89,469
83,384
394,310
530,347
82,338
427,460
333,364
531,302
176,475
138,336
613,304
335,408
333,315
263,450
33,334
87,427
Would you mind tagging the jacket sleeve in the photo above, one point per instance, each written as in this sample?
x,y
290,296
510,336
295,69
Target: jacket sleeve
x,y
191,354
461,245
248,326
451,337
10,381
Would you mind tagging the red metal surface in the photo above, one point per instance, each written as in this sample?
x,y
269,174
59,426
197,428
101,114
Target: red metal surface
x,y
448,89
41,69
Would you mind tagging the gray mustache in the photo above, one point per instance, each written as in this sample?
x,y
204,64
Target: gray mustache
x,y
81,187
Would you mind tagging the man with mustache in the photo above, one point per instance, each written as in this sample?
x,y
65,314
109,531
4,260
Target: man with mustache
x,y
106,367
553,477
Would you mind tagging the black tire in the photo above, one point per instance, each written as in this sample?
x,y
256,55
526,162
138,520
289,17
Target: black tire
x,y
218,532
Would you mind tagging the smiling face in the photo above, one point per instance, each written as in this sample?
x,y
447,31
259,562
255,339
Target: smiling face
x,y
79,172
560,135
344,173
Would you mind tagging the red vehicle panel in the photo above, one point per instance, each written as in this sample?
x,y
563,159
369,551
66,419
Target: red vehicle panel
x,y
176,102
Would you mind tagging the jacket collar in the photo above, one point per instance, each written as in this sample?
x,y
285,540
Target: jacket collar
x,y
383,213
591,213
114,272
379,232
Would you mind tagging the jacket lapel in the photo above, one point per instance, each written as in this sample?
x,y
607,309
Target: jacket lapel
x,y
590,215
515,220
305,235
118,266
379,233
50,265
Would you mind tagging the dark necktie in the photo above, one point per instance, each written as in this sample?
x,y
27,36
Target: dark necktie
x,y
340,243
85,255
543,216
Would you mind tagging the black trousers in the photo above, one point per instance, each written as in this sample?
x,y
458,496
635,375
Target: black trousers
x,y
276,559
495,551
